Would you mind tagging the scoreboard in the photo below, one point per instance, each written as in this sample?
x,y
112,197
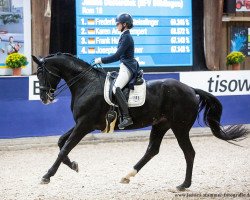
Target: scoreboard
x,y
162,30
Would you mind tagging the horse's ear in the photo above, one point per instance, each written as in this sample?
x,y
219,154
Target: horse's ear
x,y
36,60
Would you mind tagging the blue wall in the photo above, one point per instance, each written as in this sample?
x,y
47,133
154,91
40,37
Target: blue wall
x,y
20,117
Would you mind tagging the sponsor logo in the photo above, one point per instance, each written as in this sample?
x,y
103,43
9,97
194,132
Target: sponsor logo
x,y
219,83
222,85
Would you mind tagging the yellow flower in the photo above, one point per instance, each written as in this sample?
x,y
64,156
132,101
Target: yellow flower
x,y
235,57
16,60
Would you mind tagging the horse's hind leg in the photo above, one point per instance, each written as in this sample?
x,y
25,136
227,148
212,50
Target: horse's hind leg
x,y
182,135
156,135
73,165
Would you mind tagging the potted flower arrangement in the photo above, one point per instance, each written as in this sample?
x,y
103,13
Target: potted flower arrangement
x,y
235,58
15,61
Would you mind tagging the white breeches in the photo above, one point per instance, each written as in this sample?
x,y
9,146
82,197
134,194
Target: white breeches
x,y
123,77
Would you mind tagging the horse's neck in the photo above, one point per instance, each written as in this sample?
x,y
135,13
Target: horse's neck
x,y
77,75
70,69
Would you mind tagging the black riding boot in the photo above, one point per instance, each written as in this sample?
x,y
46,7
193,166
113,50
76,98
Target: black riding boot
x,y
123,104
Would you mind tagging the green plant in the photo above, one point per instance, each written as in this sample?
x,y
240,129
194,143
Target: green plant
x,y
235,57
16,60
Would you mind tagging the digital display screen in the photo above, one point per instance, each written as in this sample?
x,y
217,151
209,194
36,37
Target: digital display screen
x,y
162,30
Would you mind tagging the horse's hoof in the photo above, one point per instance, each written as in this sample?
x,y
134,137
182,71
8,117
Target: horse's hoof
x,y
45,181
181,188
75,166
125,181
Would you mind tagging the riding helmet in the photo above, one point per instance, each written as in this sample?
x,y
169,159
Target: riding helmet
x,y
125,18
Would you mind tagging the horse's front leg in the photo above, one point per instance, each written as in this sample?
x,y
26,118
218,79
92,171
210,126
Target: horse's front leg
x,y
72,165
75,137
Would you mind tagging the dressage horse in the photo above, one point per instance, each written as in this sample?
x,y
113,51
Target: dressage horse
x,y
169,104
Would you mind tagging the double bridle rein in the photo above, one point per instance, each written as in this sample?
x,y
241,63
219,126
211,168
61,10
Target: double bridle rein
x,y
50,91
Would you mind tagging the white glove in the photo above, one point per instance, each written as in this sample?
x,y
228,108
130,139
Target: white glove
x,y
98,60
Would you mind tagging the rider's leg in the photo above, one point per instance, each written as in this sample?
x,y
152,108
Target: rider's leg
x,y
121,100
122,79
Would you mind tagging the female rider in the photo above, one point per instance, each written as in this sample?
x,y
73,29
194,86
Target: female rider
x,y
128,67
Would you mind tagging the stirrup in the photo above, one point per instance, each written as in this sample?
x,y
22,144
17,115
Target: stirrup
x,y
127,121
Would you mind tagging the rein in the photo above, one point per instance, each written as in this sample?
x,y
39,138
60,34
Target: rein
x,y
64,86
53,93
78,77
71,82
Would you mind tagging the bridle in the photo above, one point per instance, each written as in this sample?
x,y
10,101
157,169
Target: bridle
x,y
49,90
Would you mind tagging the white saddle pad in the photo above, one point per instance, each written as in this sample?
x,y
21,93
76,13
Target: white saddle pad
x,y
137,96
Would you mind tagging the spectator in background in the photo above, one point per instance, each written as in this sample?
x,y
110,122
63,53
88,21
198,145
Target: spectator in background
x,y
12,47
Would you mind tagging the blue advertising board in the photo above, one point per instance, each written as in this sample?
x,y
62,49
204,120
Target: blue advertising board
x,y
23,114
162,30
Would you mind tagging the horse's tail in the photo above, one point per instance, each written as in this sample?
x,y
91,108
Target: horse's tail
x,y
212,117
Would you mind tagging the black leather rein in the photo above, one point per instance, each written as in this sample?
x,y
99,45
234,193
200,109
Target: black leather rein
x,y
62,87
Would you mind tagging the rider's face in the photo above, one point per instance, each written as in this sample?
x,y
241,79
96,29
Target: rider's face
x,y
119,26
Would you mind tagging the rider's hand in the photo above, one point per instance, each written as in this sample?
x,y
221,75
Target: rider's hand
x,y
98,61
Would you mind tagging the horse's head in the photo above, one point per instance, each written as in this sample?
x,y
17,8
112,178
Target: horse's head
x,y
48,79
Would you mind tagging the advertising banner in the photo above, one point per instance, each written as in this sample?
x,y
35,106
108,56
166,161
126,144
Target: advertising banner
x,y
240,40
34,92
15,32
219,83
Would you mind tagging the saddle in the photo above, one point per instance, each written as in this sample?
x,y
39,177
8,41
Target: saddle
x,y
135,98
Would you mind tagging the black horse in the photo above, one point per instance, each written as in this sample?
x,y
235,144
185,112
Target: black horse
x,y
169,104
